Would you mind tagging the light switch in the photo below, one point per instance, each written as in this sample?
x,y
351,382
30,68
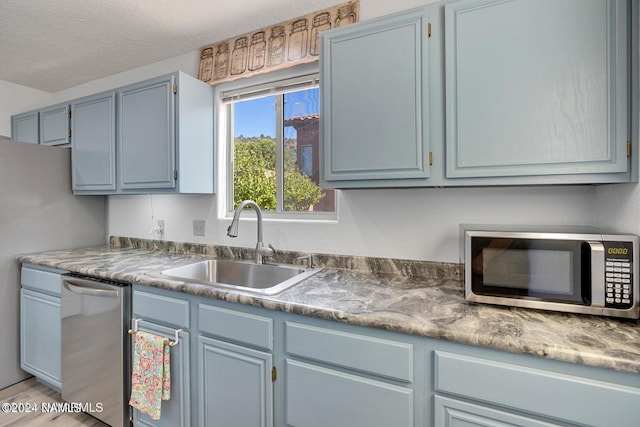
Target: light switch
x,y
199,227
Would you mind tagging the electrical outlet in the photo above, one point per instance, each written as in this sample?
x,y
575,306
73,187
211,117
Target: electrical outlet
x,y
157,231
199,227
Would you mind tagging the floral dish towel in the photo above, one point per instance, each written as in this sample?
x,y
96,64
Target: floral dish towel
x,y
151,378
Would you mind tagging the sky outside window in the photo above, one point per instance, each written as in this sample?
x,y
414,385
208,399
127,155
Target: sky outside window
x,y
250,118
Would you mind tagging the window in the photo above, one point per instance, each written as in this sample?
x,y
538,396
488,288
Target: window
x,y
307,160
274,137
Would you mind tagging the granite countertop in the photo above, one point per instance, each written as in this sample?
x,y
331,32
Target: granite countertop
x,y
423,306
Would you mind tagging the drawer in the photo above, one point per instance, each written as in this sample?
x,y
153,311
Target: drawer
x,y
376,356
550,394
41,281
160,309
320,397
243,328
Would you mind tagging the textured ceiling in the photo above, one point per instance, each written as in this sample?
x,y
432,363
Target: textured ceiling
x,y
54,45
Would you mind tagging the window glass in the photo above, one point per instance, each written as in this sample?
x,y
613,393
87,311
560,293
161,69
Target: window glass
x,y
307,160
254,152
276,151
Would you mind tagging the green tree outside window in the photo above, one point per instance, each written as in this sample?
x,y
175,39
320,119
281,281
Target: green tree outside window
x,y
254,176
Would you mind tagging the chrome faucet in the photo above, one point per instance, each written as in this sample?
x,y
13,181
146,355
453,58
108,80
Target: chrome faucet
x,y
232,231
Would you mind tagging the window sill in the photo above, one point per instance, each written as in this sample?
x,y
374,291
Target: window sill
x,y
315,218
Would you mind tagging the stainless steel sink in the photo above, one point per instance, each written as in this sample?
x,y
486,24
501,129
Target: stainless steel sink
x,y
267,279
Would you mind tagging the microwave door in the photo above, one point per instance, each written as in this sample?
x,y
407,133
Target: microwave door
x,y
534,269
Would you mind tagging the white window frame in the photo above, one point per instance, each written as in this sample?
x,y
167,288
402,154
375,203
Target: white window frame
x,y
243,93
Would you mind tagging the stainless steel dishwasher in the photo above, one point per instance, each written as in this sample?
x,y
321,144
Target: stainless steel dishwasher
x,y
95,348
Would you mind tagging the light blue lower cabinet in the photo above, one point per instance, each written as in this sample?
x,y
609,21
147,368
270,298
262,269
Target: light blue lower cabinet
x,y
455,413
359,353
319,397
41,324
161,313
176,411
333,374
576,395
40,336
234,385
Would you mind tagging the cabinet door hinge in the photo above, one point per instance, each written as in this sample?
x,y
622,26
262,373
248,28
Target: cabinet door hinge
x,y
273,374
175,88
429,30
175,174
69,114
69,133
628,148
430,158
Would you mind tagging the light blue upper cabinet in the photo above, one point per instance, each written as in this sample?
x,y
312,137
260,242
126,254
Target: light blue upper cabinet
x,y
93,141
537,89
49,126
146,135
374,103
24,127
54,125
165,135
154,136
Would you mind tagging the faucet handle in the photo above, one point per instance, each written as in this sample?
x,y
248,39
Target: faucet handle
x,y
266,251
306,260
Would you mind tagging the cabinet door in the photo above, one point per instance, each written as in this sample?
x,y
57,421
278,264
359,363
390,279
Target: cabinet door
x,y
24,127
235,387
40,336
54,125
319,397
375,101
174,412
93,130
146,143
536,87
455,413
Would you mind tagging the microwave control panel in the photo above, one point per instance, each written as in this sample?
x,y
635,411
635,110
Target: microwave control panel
x,y
619,274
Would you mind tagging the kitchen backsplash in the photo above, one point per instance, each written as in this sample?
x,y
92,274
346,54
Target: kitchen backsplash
x,y
406,268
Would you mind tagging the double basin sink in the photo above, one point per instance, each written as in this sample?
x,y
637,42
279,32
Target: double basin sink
x,y
265,279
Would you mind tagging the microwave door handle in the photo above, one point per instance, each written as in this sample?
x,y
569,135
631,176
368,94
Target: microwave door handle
x,y
597,274
79,287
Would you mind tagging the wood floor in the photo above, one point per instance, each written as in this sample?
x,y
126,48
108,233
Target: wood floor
x,y
31,394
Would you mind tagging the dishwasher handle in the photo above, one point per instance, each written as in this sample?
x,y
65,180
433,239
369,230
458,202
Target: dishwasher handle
x,y
90,287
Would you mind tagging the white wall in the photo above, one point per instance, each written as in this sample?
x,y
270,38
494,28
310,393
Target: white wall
x,y
400,223
395,223
617,207
15,99
187,63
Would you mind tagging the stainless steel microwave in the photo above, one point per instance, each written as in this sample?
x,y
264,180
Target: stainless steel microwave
x,y
576,270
